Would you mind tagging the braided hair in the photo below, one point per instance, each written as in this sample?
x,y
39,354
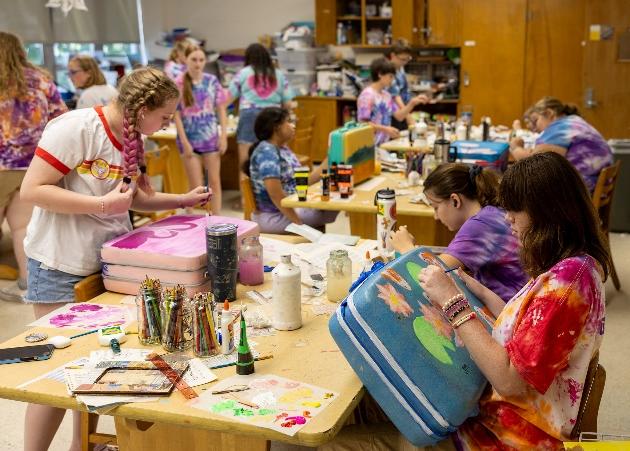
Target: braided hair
x,y
145,87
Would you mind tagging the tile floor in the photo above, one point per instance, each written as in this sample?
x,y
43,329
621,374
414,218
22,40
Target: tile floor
x,y
614,412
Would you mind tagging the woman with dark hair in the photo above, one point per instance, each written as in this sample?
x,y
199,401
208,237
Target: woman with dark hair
x,y
87,77
465,200
271,167
563,131
537,356
258,85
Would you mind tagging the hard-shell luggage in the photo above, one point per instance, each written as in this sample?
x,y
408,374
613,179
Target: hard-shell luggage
x,y
483,153
407,354
172,250
353,144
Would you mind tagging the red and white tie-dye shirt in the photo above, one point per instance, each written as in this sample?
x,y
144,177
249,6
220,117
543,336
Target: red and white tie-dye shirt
x,y
551,329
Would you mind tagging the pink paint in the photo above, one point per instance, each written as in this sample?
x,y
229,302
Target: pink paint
x,y
574,389
250,271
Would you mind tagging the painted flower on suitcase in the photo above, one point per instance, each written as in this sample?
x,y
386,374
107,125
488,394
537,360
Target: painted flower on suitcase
x,y
394,300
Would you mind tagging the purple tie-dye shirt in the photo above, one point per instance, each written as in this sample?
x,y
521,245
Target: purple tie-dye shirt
x,y
376,107
22,121
486,246
587,150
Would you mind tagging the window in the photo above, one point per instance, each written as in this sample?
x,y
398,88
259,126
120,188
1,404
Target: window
x,y
35,53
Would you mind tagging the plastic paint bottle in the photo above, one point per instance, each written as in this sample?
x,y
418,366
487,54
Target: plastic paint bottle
x,y
325,185
287,295
227,329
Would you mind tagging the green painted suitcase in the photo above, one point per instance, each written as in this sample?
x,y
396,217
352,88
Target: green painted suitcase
x,y
353,144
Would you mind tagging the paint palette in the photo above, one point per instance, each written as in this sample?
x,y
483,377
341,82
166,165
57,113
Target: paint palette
x,y
268,401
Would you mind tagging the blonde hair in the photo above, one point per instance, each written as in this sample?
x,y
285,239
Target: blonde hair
x,y
179,47
187,93
144,87
90,66
555,105
13,61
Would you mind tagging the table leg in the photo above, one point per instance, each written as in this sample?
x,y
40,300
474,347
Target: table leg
x,y
136,435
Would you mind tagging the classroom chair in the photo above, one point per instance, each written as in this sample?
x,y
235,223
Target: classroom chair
x,y
602,201
586,420
301,145
157,164
87,289
249,202
307,121
8,272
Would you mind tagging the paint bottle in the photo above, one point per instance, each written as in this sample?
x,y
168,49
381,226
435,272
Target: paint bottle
x,y
301,182
325,185
287,295
245,359
333,176
343,180
227,329
385,201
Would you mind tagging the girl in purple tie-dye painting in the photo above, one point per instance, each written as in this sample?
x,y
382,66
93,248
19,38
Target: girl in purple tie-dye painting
x,y
258,85
563,131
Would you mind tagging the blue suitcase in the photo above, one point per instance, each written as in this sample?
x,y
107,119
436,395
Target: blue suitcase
x,y
484,153
406,353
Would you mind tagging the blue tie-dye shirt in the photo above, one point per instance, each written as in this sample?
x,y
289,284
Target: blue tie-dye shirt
x,y
261,95
400,86
270,161
376,107
200,119
486,246
587,150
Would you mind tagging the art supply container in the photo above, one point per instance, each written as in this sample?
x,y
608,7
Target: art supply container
x,y
301,182
287,295
344,174
250,262
385,201
338,275
176,330
222,260
325,185
148,303
205,342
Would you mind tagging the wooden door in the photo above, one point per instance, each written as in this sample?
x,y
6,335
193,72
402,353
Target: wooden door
x,y
554,50
607,78
444,22
493,56
325,22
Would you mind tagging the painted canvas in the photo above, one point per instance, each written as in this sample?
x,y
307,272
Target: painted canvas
x,y
268,401
86,315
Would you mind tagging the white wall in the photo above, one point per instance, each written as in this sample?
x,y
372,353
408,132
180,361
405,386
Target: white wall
x,y
224,24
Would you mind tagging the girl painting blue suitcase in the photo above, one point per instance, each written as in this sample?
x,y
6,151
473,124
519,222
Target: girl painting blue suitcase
x,y
406,353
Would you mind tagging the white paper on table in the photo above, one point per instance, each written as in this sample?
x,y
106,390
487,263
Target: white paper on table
x,y
58,373
125,355
128,300
104,403
370,184
221,360
273,249
87,316
317,255
198,373
318,237
79,376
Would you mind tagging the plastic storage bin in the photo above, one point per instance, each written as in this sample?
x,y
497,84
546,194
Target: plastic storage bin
x,y
301,81
298,59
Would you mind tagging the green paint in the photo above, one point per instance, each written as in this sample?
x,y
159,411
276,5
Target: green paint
x,y
432,341
361,155
243,413
266,412
224,405
414,271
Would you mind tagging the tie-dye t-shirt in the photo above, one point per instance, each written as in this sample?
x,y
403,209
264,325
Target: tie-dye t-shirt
x,y
400,86
22,121
264,94
173,69
270,161
200,119
551,329
376,107
486,246
587,150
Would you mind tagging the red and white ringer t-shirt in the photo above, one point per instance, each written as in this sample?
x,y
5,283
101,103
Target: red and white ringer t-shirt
x,y
81,145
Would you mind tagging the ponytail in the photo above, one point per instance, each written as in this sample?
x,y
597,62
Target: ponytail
x,y
187,93
475,183
555,105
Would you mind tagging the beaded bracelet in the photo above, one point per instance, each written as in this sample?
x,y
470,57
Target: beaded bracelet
x,y
457,309
463,319
451,301
102,207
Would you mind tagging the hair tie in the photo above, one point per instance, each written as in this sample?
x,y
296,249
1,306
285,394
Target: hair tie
x,y
474,171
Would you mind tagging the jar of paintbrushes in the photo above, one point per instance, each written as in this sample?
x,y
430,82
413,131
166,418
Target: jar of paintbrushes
x,y
176,330
205,343
149,316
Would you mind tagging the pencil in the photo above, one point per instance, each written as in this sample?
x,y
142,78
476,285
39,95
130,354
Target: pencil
x,y
84,333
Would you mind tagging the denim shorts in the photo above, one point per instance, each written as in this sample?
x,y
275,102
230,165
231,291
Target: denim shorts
x,y
245,129
49,286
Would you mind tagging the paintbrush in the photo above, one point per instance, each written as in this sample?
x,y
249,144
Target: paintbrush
x,y
451,269
208,205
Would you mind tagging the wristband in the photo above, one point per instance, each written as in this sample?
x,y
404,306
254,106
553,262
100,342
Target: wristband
x,y
463,319
102,206
452,301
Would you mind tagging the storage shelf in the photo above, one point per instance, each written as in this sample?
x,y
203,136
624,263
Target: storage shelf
x,y
348,18
378,18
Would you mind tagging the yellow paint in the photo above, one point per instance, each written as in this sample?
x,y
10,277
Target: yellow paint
x,y
312,404
296,395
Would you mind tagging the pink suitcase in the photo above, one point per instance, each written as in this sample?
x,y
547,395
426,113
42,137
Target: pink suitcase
x,y
172,249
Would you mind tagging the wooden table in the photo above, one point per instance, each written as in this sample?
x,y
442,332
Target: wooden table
x,y
308,354
361,211
178,180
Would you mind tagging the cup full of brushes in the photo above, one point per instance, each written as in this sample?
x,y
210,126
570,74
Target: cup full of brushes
x,y
204,343
176,318
149,316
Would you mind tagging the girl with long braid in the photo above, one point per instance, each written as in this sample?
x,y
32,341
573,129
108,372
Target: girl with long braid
x,y
83,181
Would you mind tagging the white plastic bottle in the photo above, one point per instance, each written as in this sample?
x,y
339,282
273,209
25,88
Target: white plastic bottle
x,y
287,295
227,329
341,34
421,128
